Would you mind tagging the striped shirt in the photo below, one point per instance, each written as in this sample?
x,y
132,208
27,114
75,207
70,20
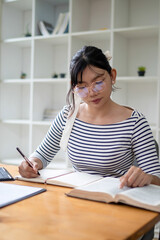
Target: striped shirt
x,y
108,150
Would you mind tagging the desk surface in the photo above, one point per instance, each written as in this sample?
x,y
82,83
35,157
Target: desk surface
x,y
53,215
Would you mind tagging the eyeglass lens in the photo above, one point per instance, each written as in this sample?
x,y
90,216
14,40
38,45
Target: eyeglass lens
x,y
96,87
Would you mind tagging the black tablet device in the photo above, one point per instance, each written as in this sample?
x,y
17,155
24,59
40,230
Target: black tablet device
x,y
5,175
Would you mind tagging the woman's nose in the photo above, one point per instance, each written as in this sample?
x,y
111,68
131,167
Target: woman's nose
x,y
92,91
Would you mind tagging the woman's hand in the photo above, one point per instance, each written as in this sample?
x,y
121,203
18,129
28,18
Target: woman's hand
x,y
28,172
135,177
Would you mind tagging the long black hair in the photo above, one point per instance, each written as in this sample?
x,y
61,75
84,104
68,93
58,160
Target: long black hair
x,y
86,56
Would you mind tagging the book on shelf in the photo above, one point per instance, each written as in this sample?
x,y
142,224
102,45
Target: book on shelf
x,y
50,114
65,24
45,28
58,23
62,177
107,190
62,24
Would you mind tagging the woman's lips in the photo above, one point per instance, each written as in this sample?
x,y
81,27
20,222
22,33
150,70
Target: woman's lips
x,y
96,101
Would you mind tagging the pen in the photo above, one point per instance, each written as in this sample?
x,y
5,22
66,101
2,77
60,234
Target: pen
x,y
27,160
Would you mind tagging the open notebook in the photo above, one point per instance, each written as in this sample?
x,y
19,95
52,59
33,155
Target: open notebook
x,y
63,177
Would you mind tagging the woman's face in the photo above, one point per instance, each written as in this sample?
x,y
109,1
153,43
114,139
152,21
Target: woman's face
x,y
95,87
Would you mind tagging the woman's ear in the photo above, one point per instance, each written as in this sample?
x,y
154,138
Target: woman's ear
x,y
113,75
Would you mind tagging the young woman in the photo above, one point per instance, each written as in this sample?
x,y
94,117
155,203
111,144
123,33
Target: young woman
x,y
105,137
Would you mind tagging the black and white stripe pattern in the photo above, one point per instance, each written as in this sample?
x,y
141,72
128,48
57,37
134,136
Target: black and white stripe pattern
x,y
108,150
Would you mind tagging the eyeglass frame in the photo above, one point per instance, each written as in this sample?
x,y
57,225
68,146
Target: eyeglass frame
x,y
88,87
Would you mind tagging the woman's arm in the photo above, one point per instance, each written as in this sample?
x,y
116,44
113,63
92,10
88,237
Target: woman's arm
x,y
143,147
47,149
51,142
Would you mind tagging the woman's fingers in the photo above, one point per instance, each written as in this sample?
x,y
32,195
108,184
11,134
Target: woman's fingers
x,y
135,177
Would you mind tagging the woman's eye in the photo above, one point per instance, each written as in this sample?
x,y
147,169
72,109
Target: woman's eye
x,y
99,82
81,87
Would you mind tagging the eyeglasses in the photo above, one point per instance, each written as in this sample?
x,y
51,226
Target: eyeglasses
x,y
82,90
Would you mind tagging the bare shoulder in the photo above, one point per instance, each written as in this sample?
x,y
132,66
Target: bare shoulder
x,y
120,113
125,112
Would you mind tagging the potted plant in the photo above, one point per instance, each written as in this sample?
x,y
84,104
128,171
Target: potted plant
x,y
27,34
23,75
141,70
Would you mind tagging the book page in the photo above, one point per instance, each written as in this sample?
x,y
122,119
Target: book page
x,y
103,190
45,174
105,185
147,195
52,173
74,179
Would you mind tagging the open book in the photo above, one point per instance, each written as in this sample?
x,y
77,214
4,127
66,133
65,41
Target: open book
x,y
107,190
66,178
45,28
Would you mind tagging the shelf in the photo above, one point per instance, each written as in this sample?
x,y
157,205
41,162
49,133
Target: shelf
x,y
136,79
130,53
90,35
54,40
35,80
16,57
90,15
19,81
129,13
21,4
27,122
138,32
50,80
17,19
16,121
42,123
50,58
19,42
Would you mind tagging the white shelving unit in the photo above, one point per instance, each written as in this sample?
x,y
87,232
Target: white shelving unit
x,y
129,29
